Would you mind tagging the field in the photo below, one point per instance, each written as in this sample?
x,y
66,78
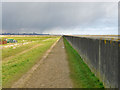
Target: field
x,y
18,58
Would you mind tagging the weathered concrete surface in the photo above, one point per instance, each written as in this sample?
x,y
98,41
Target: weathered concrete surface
x,y
101,56
53,71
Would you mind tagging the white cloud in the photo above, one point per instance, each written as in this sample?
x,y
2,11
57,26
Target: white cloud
x,y
84,31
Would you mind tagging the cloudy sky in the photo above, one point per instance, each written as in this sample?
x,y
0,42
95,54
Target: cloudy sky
x,y
60,17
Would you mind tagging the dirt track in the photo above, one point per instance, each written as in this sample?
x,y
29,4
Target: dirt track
x,y
53,72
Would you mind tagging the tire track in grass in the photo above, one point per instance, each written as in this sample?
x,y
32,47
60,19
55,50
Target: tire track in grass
x,y
47,39
25,51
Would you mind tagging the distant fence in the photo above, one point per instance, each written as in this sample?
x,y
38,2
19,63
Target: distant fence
x,y
101,56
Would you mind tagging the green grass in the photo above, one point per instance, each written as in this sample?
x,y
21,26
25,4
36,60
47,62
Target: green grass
x,y
14,68
7,52
30,38
80,73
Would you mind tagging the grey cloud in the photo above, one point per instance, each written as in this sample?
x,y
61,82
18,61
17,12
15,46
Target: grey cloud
x,y
40,17
0,17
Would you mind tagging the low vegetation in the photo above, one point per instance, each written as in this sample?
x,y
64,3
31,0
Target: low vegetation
x,y
7,52
79,72
14,68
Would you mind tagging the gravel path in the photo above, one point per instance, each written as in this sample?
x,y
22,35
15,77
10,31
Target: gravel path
x,y
53,72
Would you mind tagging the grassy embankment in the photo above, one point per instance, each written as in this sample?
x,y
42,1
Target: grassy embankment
x,y
80,73
14,68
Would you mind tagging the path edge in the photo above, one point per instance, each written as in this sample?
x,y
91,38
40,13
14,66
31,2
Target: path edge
x,y
19,83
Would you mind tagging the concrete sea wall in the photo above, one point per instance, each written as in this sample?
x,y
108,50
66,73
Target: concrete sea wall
x,y
101,56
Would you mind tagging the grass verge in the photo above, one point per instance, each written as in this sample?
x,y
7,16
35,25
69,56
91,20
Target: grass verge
x,y
80,73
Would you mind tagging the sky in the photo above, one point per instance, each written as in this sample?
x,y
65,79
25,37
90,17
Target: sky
x,y
76,18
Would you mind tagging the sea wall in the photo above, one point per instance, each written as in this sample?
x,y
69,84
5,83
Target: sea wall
x,y
101,56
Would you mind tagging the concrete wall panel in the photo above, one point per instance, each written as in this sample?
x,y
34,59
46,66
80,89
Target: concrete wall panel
x,y
101,56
